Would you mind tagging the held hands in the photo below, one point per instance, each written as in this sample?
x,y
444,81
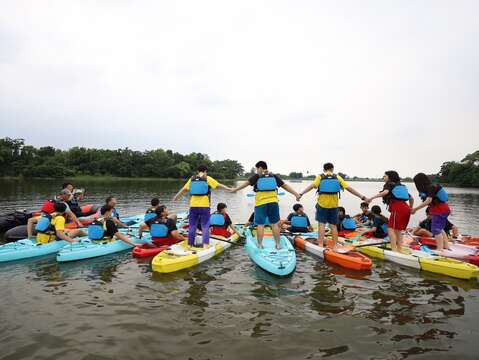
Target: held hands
x,y
298,197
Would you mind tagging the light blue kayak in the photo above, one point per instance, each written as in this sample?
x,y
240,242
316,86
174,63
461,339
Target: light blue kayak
x,y
87,249
277,262
25,249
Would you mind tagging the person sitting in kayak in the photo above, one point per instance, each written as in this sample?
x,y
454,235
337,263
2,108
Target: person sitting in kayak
x,y
363,218
396,196
346,224
220,222
436,198
298,221
162,228
48,207
199,187
51,227
424,227
265,185
379,228
105,228
329,186
112,201
150,214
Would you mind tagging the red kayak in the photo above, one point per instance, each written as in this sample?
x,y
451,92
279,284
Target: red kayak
x,y
147,250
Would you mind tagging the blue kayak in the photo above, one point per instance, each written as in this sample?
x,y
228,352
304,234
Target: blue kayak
x,y
87,249
25,249
277,262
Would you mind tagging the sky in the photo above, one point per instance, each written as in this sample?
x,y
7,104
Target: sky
x,y
368,85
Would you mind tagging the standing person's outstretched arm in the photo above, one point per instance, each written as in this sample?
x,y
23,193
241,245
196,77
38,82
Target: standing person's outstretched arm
x,y
241,186
180,193
291,191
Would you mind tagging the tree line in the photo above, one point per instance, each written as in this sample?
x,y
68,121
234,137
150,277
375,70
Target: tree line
x,y
463,173
19,159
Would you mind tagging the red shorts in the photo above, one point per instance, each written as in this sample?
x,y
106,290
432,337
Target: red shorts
x,y
220,232
170,240
400,214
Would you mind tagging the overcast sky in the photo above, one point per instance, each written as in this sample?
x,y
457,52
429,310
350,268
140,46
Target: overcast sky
x,y
368,85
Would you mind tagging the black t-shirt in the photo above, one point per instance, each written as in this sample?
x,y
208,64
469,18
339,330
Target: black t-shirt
x,y
251,218
228,222
427,225
254,179
111,228
378,223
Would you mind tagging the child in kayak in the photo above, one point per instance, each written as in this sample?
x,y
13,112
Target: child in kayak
x,y
363,218
105,228
220,222
424,228
346,223
199,187
265,185
434,197
379,227
48,207
51,227
329,186
298,221
162,228
396,196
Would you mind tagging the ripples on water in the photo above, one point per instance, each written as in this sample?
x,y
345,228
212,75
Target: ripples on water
x,y
115,307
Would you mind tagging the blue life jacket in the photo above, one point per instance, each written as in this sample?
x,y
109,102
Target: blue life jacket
x,y
159,229
348,224
199,186
149,215
115,213
299,221
96,230
329,184
442,195
266,182
364,218
217,219
384,227
44,224
400,192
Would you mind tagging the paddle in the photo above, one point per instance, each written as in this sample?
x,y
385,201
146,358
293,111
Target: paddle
x,y
226,241
348,248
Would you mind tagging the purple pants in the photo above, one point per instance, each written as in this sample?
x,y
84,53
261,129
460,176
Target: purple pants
x,y
199,215
438,223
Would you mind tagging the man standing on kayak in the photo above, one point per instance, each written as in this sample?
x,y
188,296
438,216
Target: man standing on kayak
x,y
329,186
265,185
199,187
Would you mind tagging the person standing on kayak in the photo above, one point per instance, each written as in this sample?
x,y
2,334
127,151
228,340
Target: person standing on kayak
x,y
396,196
434,197
265,185
199,187
329,186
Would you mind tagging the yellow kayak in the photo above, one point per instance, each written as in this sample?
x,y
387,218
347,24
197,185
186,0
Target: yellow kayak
x,y
180,256
423,261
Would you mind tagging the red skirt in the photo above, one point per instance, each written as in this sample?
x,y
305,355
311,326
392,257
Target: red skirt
x,y
400,214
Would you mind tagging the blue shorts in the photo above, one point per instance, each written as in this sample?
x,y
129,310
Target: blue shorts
x,y
266,214
326,215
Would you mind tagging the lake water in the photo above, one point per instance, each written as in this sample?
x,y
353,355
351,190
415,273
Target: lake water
x,y
115,307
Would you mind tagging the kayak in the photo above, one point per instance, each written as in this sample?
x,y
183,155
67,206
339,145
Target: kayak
x,y
148,250
461,252
350,260
87,249
15,218
423,261
179,256
25,249
277,262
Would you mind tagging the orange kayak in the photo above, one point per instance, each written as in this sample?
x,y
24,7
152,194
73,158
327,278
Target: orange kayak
x,y
351,260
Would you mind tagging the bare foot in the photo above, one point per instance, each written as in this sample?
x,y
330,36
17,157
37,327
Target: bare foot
x,y
206,246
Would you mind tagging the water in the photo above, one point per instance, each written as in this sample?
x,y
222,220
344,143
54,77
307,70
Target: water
x,y
115,307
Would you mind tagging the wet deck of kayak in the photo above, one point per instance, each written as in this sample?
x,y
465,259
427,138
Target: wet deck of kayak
x,y
115,307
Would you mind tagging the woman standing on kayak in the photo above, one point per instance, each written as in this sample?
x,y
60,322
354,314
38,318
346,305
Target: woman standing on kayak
x,y
199,187
396,196
435,197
